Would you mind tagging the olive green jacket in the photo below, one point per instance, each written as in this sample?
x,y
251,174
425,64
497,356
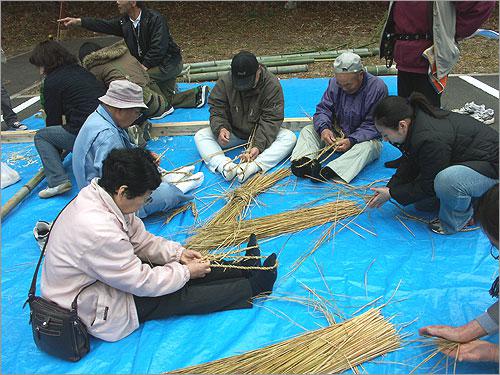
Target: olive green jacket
x,y
260,109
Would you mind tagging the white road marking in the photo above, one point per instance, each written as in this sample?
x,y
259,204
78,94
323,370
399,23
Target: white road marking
x,y
24,105
480,85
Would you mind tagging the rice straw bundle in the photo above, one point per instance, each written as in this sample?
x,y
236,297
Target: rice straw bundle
x,y
231,234
333,349
239,199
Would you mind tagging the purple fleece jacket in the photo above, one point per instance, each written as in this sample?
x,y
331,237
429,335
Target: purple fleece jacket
x,y
352,112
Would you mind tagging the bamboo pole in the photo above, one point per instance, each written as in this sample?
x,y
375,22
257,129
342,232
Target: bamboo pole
x,y
363,52
22,193
216,75
218,68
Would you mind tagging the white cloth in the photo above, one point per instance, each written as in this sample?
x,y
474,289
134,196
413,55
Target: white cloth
x,y
348,164
207,146
93,242
9,176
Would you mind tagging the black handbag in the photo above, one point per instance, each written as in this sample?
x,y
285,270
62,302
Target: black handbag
x,y
56,330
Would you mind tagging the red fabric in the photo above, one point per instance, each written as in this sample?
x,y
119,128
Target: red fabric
x,y
412,17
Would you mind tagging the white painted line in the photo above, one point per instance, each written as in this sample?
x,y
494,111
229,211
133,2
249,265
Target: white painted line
x,y
24,105
480,85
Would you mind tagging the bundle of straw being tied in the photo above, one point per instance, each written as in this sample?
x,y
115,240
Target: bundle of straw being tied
x,y
235,233
333,349
239,199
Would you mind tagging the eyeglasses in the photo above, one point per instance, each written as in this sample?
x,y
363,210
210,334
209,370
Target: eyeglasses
x,y
148,200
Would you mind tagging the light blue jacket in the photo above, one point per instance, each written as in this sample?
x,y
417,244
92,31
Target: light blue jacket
x,y
97,137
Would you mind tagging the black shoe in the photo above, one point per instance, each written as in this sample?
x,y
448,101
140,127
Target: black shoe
x,y
253,250
314,171
262,281
328,173
202,95
393,163
301,167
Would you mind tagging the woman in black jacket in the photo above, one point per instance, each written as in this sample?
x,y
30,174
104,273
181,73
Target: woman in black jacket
x,y
449,159
70,95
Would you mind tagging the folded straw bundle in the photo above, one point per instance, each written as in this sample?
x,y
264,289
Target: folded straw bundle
x,y
328,350
235,233
239,199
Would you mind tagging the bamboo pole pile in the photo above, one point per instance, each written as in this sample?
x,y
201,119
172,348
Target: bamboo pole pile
x,y
209,238
239,199
333,349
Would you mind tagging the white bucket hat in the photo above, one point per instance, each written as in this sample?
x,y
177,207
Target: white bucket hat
x,y
124,94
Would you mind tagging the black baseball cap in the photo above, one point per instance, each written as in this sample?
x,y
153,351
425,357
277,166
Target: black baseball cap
x,y
244,66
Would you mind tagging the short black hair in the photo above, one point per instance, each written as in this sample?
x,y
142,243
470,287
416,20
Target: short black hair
x,y
51,55
87,48
486,212
134,168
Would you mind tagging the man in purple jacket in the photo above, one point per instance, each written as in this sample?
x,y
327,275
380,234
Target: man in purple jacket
x,y
343,120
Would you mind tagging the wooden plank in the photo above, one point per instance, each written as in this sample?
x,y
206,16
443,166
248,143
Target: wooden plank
x,y
158,129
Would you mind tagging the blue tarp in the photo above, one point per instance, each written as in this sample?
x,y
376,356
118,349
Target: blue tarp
x,y
444,279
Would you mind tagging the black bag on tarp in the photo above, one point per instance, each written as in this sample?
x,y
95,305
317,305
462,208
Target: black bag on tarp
x,y
56,330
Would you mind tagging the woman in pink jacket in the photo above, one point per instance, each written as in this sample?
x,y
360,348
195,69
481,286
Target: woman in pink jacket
x,y
124,275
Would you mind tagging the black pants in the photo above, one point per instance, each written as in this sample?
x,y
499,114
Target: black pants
x,y
221,289
409,82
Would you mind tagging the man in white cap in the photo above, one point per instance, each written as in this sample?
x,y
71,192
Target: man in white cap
x,y
105,130
343,120
246,105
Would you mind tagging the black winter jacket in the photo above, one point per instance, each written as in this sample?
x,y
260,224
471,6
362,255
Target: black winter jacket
x,y
434,144
156,44
72,91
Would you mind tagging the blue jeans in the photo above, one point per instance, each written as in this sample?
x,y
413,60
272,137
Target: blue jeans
x,y
164,198
456,187
50,142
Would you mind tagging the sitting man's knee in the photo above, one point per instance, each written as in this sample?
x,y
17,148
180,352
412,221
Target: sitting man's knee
x,y
202,134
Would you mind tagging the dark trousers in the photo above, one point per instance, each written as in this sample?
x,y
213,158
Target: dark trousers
x,y
9,115
410,82
165,80
221,289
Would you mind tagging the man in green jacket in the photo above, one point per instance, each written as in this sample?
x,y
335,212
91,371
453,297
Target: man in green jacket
x,y
246,107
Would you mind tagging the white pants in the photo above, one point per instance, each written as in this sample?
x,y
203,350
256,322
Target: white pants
x,y
348,164
207,146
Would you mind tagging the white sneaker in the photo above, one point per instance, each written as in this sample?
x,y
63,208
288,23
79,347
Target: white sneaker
x,y
470,108
228,169
487,116
191,183
246,170
56,190
166,113
178,175
41,232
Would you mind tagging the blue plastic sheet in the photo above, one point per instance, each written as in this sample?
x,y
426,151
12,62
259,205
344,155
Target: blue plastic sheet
x,y
443,279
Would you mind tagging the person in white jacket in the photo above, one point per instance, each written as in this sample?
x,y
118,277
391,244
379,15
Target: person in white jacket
x,y
123,275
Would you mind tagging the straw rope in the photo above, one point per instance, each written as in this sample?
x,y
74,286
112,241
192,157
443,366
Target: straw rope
x,y
333,349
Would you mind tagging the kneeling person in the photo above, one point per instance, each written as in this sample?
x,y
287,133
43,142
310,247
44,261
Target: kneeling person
x,y
347,105
246,104
124,275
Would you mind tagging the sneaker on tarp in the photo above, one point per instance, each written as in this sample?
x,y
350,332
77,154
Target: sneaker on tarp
x,y
41,232
436,227
487,116
56,190
164,114
17,126
470,108
202,95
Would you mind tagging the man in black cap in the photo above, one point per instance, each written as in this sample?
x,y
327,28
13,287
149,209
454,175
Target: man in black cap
x,y
246,107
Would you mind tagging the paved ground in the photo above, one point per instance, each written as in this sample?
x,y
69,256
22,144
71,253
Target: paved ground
x,y
19,76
